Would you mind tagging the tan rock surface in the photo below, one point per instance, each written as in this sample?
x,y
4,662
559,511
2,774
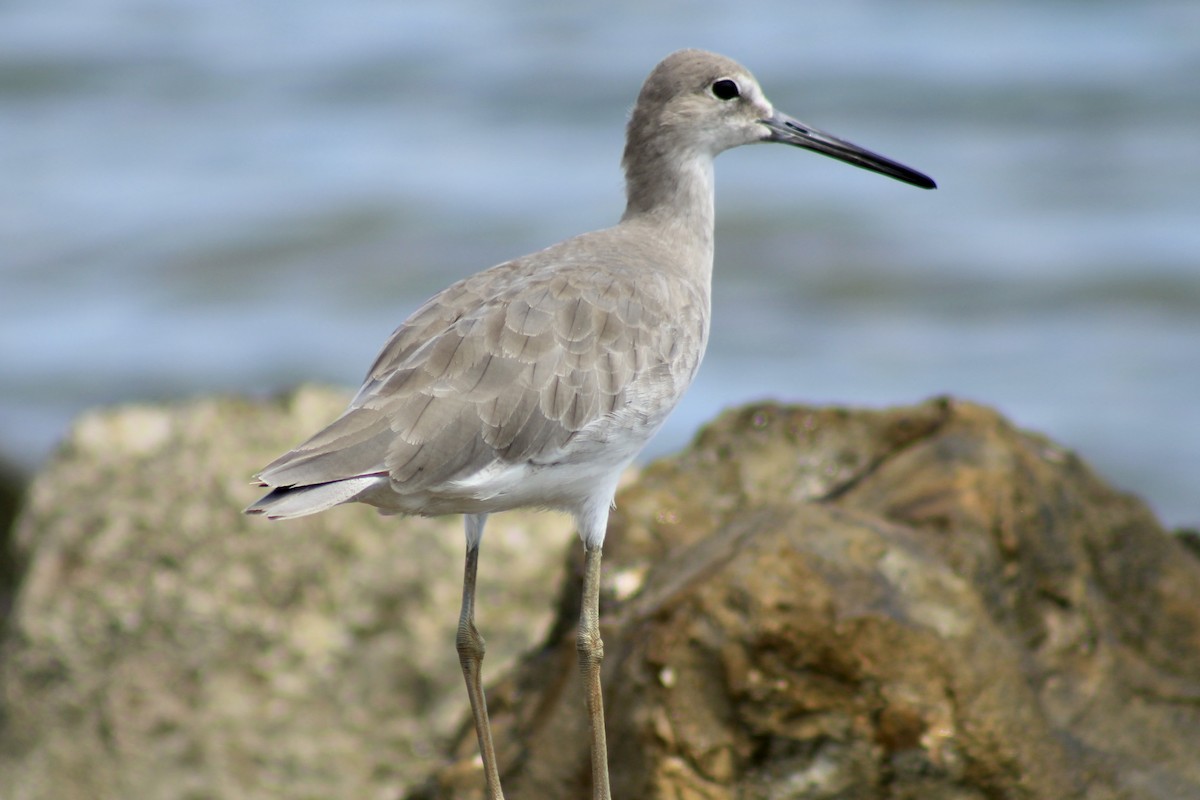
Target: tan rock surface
x,y
807,603
916,603
166,646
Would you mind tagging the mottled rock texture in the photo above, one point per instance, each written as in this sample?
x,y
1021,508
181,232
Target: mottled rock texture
x,y
163,645
922,602
916,603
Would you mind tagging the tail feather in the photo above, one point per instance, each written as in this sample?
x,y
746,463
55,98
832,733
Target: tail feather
x,y
288,502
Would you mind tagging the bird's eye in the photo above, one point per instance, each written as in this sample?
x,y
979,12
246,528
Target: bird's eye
x,y
726,89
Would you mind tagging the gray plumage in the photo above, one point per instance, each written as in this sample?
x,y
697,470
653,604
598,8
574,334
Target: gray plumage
x,y
538,363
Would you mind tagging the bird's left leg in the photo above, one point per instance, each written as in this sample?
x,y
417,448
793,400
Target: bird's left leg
x,y
471,649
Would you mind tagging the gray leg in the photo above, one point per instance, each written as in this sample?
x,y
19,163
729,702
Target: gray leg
x,y
471,649
591,655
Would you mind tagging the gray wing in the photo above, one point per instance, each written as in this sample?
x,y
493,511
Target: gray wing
x,y
505,366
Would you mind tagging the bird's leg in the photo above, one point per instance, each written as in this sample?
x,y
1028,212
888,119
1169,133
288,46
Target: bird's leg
x,y
471,649
591,655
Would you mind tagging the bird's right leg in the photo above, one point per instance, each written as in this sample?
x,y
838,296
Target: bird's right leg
x,y
471,649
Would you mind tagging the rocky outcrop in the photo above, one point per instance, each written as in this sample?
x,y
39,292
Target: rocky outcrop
x,y
163,645
916,603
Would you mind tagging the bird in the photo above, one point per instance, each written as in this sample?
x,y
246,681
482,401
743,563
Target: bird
x,y
536,382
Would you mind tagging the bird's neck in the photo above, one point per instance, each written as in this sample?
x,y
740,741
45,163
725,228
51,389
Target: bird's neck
x,y
674,195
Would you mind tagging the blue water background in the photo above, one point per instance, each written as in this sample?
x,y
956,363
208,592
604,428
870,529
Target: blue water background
x,y
236,197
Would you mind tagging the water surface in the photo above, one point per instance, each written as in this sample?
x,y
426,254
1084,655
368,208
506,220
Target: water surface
x,y
225,196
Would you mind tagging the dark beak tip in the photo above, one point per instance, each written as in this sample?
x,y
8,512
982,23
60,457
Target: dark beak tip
x,y
785,130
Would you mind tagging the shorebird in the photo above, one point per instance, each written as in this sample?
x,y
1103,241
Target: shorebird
x,y
536,382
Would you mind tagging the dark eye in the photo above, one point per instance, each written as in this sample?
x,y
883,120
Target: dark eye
x,y
725,89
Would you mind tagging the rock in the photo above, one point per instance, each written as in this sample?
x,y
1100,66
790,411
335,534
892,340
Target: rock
x,y
12,487
916,603
807,603
163,645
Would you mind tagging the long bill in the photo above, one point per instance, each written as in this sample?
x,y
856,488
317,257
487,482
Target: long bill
x,y
786,130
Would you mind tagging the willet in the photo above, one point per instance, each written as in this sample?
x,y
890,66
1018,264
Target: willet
x,y
536,382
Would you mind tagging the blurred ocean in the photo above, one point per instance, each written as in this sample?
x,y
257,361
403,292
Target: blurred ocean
x,y
235,197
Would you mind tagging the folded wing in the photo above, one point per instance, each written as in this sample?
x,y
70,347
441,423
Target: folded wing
x,y
505,366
